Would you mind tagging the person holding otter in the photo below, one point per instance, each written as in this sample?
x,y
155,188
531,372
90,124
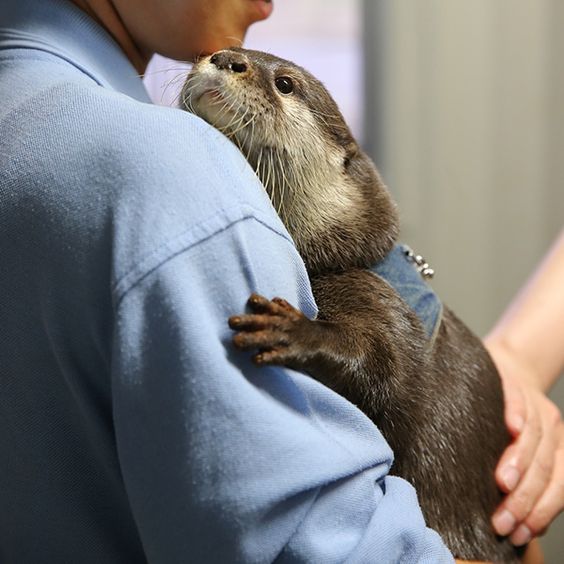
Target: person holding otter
x,y
128,235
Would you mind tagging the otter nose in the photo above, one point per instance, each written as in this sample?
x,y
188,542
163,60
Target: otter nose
x,y
229,60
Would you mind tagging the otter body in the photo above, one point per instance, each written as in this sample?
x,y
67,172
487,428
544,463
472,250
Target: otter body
x,y
438,401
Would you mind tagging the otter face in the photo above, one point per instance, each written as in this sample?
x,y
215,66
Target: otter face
x,y
278,96
290,130
279,115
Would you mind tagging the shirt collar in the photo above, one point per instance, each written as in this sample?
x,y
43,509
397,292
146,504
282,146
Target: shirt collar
x,y
62,29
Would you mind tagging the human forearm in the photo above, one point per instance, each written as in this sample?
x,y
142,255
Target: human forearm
x,y
528,337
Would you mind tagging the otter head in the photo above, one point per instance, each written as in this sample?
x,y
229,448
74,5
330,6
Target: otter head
x,y
325,189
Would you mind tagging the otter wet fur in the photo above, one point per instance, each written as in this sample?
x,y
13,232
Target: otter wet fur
x,y
438,401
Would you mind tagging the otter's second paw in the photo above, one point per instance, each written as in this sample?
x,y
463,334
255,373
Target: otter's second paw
x,y
275,328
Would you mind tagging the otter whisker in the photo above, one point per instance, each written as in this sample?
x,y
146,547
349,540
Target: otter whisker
x,y
228,106
244,126
250,143
319,115
186,94
268,170
317,112
170,83
235,124
285,183
225,104
279,183
163,70
259,160
324,121
188,82
274,177
187,100
237,39
199,57
175,102
177,78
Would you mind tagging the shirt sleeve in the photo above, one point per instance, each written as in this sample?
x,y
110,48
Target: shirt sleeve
x,y
227,462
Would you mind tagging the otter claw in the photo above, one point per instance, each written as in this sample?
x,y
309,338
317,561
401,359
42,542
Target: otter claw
x,y
258,303
270,328
284,304
276,306
274,356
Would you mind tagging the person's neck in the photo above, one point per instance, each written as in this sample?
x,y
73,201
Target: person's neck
x,y
105,13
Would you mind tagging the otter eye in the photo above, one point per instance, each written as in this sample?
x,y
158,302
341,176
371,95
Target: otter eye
x,y
284,84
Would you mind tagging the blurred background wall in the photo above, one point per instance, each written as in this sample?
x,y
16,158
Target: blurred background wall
x,y
461,105
468,127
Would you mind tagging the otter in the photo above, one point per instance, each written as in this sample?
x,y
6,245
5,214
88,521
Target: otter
x,y
433,392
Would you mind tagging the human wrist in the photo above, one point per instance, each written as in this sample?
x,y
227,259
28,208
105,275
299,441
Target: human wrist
x,y
513,364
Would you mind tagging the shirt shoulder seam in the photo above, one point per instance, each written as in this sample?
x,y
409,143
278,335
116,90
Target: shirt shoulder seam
x,y
195,235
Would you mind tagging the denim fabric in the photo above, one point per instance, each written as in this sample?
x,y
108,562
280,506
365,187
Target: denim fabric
x,y
400,272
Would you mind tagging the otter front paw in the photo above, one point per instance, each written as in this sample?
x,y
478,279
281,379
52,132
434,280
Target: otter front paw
x,y
275,328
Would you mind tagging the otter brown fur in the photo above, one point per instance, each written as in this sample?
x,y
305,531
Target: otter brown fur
x,y
438,402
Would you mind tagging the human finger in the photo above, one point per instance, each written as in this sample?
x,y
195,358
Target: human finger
x,y
550,504
529,469
518,456
515,412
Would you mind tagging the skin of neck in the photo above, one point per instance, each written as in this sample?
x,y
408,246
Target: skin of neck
x,y
105,13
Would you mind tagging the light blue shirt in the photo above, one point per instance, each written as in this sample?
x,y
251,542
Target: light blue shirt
x,y
130,429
